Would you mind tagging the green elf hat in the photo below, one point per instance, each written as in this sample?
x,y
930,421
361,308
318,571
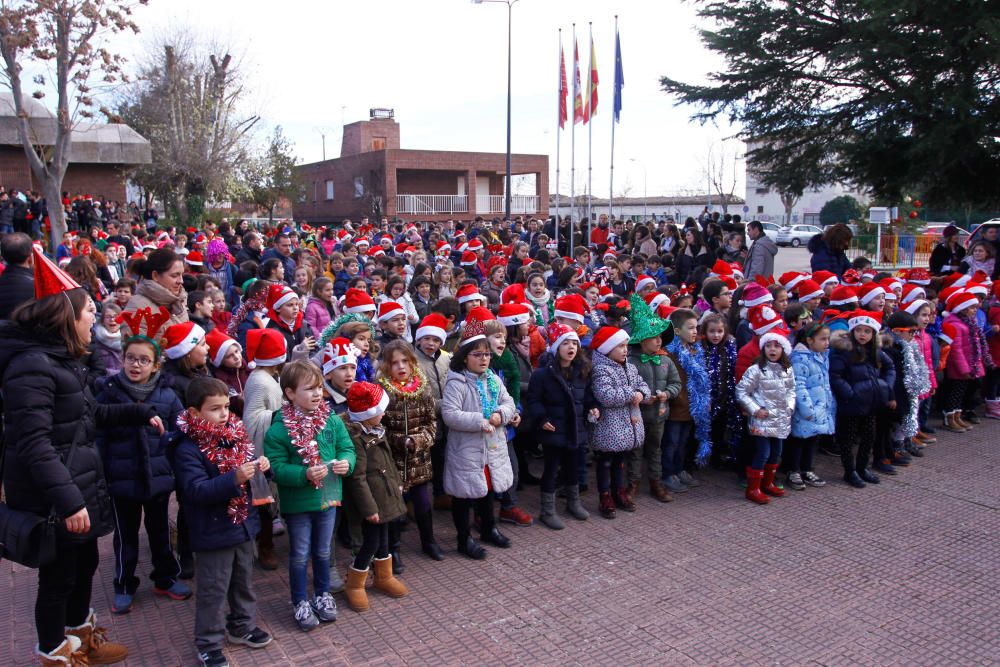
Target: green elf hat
x,y
646,324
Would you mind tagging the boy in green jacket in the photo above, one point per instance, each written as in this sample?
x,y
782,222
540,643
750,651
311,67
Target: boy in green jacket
x,y
310,450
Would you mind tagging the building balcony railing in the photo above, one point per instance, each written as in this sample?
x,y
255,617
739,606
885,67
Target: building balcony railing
x,y
432,204
519,204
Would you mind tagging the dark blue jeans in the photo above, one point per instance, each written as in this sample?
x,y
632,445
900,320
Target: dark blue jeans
x,y
767,451
675,437
309,536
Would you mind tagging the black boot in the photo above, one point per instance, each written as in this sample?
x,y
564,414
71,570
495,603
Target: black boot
x,y
868,476
394,531
425,523
495,537
468,546
852,478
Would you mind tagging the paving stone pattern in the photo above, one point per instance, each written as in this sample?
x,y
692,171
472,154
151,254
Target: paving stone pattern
x,y
904,573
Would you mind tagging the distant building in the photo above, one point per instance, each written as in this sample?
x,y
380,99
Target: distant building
x,y
764,203
679,208
100,155
374,176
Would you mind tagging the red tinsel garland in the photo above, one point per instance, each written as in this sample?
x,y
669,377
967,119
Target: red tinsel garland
x,y
302,429
209,437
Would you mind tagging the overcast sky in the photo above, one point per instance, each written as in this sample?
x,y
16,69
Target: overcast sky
x,y
441,64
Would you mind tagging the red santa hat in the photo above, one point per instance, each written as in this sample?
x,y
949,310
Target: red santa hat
x,y
468,293
265,347
918,276
375,251
737,270
179,339
645,281
843,295
469,258
388,310
49,278
763,318
912,292
779,336
496,260
891,284
194,258
851,277
869,291
755,295
656,299
610,253
808,289
822,278
366,400
475,245
218,345
278,295
961,300
948,333
720,268
866,318
558,334
915,305
513,314
475,327
443,247
338,352
436,325
514,294
357,301
363,241
608,338
790,279
571,306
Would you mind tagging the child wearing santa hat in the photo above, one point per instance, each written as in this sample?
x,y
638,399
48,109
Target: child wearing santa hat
x,y
226,358
429,340
339,364
285,316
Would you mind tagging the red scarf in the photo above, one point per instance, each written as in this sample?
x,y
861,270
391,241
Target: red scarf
x,y
227,447
302,430
281,323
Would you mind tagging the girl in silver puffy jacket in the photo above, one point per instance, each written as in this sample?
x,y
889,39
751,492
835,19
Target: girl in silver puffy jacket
x,y
767,393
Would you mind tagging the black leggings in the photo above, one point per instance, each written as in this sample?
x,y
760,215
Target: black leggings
x,y
610,469
375,544
798,454
856,434
460,514
64,588
558,460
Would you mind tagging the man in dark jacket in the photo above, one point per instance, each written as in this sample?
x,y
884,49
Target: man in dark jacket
x,y
17,284
829,249
250,252
282,251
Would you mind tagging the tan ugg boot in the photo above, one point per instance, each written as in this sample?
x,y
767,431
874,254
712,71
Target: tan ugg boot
x,y
354,590
95,645
385,581
67,654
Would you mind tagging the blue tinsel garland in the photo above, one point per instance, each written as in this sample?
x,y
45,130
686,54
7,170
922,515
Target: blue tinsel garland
x,y
724,390
699,395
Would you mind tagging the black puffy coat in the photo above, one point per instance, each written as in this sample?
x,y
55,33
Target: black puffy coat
x,y
135,461
17,286
178,380
47,407
825,259
860,388
551,398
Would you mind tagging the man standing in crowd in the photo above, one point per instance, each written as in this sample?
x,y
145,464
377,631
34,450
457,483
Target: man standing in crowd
x,y
760,257
17,284
282,251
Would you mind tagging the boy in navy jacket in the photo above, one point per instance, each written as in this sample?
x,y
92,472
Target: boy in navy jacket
x,y
213,461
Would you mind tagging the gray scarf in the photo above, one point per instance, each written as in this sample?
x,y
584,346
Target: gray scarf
x,y
140,392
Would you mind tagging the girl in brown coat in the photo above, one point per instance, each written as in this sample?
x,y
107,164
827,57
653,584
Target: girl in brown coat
x,y
410,426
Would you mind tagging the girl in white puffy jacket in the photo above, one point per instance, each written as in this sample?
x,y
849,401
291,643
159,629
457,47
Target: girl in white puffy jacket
x,y
767,393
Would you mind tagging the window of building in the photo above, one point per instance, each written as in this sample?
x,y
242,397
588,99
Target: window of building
x,y
378,143
760,209
329,190
762,191
359,187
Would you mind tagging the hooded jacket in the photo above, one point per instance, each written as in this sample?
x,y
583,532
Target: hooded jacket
x,y
48,406
859,387
825,259
815,406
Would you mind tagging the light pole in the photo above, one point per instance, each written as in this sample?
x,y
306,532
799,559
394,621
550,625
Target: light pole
x,y
645,197
510,6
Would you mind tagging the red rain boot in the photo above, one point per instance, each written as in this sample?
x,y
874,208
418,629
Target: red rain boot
x,y
753,487
767,484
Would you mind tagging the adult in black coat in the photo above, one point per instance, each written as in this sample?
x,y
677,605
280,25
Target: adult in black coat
x,y
52,465
17,284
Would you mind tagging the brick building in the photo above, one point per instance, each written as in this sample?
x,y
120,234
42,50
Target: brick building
x,y
374,176
99,159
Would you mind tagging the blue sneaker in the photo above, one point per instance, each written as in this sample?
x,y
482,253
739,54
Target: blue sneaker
x,y
122,604
177,591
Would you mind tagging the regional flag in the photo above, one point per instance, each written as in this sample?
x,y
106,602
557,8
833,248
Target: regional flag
x,y
563,92
591,107
577,97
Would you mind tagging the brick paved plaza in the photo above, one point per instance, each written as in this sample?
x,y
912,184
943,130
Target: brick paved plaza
x,y
902,573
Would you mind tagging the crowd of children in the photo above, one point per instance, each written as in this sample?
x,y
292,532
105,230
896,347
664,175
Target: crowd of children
x,y
400,373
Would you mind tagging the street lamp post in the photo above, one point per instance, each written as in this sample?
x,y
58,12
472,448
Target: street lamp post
x,y
645,195
510,6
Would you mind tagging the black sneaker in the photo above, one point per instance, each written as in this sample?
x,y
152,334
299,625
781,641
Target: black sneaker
x,y
256,638
214,658
794,480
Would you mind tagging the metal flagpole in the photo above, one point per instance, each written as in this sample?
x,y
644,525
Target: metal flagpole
x,y
590,138
611,185
559,102
572,146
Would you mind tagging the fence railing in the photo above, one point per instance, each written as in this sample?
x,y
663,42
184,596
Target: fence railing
x,y
432,204
519,204
893,251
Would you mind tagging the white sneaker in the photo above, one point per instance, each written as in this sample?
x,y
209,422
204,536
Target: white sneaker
x,y
305,616
277,526
325,608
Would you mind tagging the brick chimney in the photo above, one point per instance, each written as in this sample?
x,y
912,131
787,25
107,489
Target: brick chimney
x,y
380,132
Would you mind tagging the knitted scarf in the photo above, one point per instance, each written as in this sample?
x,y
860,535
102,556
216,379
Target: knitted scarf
x,y
227,447
542,306
112,341
980,351
161,296
699,394
303,427
139,392
721,362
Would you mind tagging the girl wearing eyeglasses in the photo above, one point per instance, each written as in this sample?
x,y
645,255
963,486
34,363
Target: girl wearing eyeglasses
x,y
138,474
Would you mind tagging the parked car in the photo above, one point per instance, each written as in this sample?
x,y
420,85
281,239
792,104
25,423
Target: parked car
x,y
934,229
771,230
977,232
796,235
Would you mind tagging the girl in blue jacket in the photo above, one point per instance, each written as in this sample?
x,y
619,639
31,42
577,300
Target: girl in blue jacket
x,y
815,406
139,475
